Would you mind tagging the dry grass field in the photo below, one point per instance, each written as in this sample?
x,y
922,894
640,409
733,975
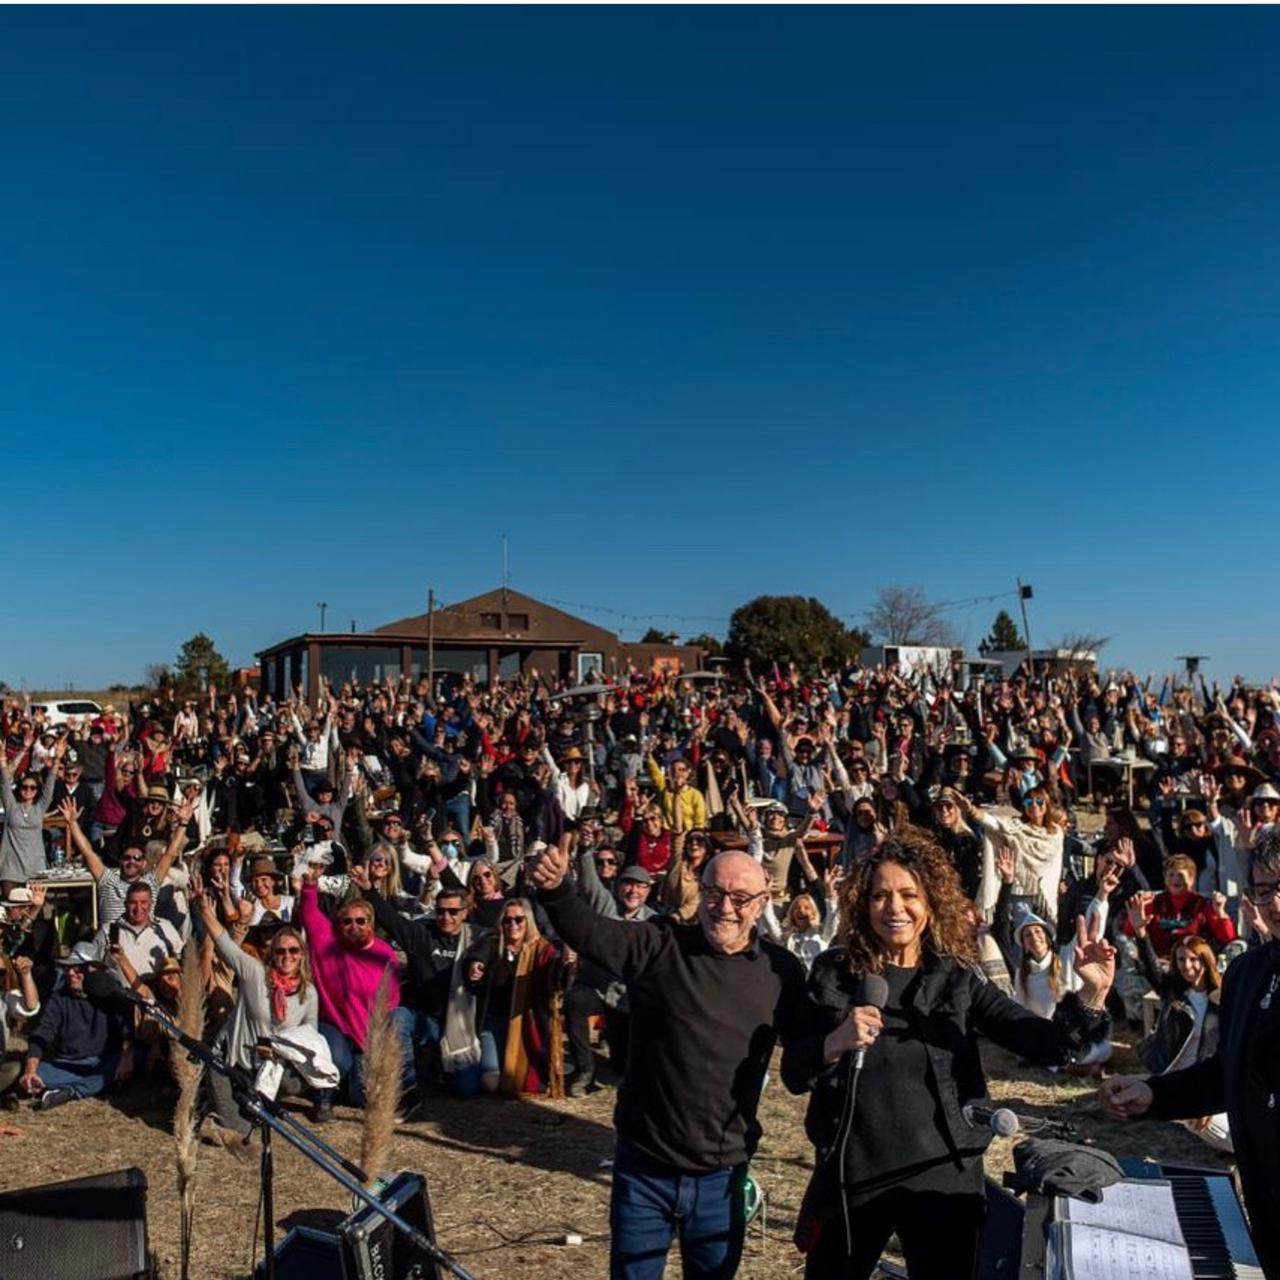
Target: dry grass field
x,y
508,1179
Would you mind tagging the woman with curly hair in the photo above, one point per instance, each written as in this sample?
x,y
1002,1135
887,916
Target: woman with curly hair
x,y
904,1159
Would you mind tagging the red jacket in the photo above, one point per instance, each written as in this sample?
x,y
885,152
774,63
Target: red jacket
x,y
1172,916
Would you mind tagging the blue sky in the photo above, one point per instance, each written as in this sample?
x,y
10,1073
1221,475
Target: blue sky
x,y
693,304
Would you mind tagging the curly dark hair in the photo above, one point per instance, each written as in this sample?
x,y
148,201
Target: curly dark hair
x,y
949,932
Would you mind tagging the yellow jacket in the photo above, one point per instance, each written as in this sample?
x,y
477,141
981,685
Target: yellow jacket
x,y
686,811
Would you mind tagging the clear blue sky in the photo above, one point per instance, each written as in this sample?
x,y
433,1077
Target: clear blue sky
x,y
695,304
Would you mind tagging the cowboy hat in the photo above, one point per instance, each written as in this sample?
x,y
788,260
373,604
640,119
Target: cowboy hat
x,y
81,954
1265,792
263,867
1238,764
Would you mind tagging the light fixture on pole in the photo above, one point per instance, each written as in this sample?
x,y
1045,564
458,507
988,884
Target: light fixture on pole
x,y
1024,594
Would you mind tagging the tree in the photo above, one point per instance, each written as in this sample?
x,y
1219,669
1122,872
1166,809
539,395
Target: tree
x,y
155,675
903,615
1004,636
654,636
199,665
791,629
708,644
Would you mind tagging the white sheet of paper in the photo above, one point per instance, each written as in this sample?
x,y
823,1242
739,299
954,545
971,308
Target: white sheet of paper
x,y
1137,1206
1089,1253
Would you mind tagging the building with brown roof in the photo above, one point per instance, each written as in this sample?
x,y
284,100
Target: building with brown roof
x,y
498,635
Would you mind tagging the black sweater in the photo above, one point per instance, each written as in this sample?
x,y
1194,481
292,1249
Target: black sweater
x,y
703,1026
429,952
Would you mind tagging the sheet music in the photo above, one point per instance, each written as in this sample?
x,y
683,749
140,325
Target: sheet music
x,y
1078,1252
1136,1206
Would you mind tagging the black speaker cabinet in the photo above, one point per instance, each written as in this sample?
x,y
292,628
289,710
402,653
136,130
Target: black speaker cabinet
x,y
86,1229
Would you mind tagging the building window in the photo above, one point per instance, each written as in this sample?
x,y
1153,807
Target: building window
x,y
493,620
518,622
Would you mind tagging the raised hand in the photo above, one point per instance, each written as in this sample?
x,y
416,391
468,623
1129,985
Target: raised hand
x,y
70,811
38,892
551,867
360,874
1095,961
1005,863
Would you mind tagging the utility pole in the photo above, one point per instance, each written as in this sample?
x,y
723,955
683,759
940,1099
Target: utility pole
x,y
1024,594
322,606
431,640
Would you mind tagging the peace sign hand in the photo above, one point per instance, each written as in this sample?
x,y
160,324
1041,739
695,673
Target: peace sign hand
x,y
1095,962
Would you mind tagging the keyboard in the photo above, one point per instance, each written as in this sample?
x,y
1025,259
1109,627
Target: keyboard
x,y
1211,1218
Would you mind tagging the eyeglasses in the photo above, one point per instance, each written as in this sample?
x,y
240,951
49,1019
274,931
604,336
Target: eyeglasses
x,y
352,922
1036,802
714,896
511,921
286,951
1263,894
606,862
451,911
28,786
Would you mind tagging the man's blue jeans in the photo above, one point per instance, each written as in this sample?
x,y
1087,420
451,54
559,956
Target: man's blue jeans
x,y
85,1077
349,1060
653,1204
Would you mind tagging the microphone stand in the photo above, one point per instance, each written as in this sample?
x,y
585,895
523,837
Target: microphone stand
x,y
271,1117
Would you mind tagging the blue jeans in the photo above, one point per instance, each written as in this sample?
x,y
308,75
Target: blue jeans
x,y
349,1060
85,1077
652,1204
466,1081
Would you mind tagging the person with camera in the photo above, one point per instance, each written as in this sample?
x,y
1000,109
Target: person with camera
x,y
1241,1078
709,1001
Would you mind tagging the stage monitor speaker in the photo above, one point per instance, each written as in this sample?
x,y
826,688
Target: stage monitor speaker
x,y
366,1246
372,1249
305,1254
85,1229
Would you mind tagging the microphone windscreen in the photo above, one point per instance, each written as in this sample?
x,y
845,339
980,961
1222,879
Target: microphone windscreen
x,y
102,985
1004,1123
875,990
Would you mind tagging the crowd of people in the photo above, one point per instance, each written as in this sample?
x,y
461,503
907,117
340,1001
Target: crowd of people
x,y
545,885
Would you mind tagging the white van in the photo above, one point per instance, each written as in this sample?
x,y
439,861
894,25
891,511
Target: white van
x,y
71,709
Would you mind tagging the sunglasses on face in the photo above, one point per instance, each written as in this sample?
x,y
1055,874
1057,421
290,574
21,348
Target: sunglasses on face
x,y
286,951
450,911
1036,803
352,922
606,862
512,921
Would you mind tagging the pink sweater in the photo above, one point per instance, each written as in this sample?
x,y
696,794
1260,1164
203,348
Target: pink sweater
x,y
346,981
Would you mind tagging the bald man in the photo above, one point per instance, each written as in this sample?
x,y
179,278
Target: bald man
x,y
709,1000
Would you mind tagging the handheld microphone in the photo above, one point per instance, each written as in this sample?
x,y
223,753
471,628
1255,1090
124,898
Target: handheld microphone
x,y
1000,1120
873,990
1004,1123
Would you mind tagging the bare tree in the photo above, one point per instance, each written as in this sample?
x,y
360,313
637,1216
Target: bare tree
x,y
155,674
903,615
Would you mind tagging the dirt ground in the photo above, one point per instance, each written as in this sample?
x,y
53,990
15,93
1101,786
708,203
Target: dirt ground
x,y
508,1179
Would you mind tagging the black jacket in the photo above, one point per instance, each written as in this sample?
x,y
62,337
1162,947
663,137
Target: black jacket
x,y
430,954
1243,1079
953,1005
703,1026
